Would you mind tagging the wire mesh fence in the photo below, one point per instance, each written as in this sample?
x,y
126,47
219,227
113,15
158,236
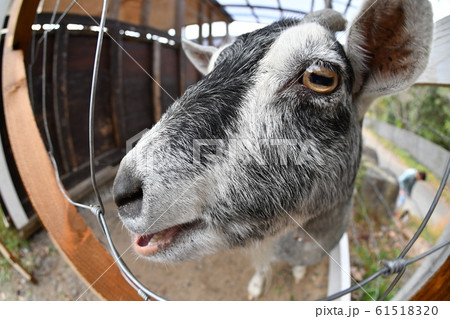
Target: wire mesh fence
x,y
389,268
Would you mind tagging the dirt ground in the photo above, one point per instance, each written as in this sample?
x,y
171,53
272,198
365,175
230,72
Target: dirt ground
x,y
56,280
219,277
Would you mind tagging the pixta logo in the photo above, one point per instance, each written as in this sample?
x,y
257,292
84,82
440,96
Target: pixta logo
x,y
131,142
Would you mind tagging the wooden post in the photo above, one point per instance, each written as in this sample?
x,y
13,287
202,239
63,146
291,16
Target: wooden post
x,y
60,102
179,24
117,104
201,20
114,8
180,12
157,108
210,21
64,224
145,12
227,32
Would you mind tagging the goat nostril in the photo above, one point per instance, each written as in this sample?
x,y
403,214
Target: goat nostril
x,y
127,189
124,199
129,205
128,196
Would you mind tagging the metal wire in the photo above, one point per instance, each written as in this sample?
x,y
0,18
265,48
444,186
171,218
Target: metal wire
x,y
34,52
430,211
44,108
98,211
421,227
98,51
143,291
390,266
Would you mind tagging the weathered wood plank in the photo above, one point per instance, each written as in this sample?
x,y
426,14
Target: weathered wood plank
x,y
64,224
113,11
58,85
180,14
137,86
117,103
170,71
83,7
161,14
61,78
145,12
130,11
210,22
157,108
201,20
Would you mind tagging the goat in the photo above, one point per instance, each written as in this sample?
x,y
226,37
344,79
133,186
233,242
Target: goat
x,y
264,150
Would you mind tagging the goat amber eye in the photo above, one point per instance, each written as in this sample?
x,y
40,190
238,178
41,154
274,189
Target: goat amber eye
x,y
320,79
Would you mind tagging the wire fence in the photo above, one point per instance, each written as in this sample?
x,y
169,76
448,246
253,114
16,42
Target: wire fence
x,y
390,267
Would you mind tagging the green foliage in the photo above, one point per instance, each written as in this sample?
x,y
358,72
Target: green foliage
x,y
372,240
12,240
424,110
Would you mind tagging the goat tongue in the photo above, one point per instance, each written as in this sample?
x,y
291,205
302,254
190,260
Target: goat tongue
x,y
151,243
144,240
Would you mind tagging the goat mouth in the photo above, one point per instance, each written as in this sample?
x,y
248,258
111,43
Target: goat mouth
x,y
149,244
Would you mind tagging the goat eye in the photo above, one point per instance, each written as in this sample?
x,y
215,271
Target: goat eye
x,y
320,79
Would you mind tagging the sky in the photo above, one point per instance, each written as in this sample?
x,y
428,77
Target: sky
x,y
441,9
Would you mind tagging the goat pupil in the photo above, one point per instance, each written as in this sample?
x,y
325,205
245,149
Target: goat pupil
x,y
321,80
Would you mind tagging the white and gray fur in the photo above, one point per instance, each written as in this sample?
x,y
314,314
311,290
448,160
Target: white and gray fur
x,y
276,149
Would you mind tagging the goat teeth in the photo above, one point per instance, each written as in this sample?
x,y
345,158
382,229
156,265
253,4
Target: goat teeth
x,y
157,237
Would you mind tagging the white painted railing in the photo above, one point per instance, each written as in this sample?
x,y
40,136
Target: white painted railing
x,y
339,269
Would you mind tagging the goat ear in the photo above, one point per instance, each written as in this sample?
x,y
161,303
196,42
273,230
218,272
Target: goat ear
x,y
330,19
388,46
199,55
